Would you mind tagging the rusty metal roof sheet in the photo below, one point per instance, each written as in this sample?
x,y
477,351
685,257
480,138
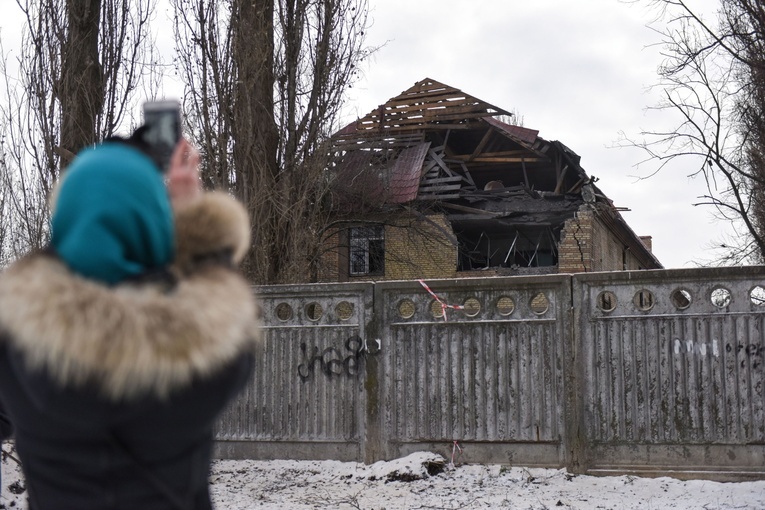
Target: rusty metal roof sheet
x,y
521,134
406,173
392,179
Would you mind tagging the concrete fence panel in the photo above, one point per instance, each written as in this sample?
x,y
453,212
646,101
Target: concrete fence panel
x,y
671,371
647,372
306,398
476,361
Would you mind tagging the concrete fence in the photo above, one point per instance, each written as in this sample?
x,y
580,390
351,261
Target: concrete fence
x,y
650,372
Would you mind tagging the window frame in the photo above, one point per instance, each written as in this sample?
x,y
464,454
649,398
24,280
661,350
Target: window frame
x,y
366,250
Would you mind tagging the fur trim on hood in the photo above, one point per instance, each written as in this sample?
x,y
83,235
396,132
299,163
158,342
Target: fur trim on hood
x,y
135,339
211,224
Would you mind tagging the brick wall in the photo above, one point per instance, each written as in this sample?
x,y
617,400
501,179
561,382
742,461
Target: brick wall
x,y
334,257
610,253
414,248
587,244
575,247
420,248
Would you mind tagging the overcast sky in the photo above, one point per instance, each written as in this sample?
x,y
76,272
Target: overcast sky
x,y
578,71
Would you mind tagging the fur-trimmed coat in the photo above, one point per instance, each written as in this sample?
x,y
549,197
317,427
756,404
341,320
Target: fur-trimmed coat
x,y
113,391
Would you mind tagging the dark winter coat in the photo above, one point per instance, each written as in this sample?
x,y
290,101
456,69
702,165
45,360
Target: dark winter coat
x,y
6,428
113,391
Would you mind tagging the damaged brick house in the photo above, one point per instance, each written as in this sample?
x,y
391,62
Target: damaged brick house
x,y
433,184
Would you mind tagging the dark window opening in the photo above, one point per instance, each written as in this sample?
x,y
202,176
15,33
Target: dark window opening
x,y
367,251
532,248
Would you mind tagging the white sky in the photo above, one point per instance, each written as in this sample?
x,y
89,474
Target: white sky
x,y
578,71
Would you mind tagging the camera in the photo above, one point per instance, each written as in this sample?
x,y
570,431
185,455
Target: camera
x,y
162,120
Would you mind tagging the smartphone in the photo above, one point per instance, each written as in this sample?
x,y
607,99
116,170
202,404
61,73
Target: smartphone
x,y
163,122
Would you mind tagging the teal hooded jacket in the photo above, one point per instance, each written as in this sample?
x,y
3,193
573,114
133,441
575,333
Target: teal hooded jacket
x,y
112,218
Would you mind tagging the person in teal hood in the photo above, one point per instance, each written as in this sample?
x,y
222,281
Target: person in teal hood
x,y
121,344
113,218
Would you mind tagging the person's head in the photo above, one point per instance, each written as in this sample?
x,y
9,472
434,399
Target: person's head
x,y
112,218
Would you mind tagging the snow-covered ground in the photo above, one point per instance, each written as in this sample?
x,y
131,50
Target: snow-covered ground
x,y
425,481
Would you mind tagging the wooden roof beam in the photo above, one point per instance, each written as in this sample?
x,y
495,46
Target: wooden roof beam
x,y
482,159
382,129
416,120
562,176
479,148
436,108
500,154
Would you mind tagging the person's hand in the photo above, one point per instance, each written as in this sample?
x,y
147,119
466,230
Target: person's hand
x,y
183,174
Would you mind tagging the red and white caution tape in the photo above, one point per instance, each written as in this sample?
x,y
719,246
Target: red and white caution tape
x,y
444,306
455,447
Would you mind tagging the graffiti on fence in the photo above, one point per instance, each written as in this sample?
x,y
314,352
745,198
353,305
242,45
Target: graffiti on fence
x,y
699,348
332,361
753,352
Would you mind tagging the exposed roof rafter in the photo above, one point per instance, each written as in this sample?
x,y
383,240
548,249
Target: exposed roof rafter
x,y
427,104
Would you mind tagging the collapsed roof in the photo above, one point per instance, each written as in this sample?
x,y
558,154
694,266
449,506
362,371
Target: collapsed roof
x,y
436,147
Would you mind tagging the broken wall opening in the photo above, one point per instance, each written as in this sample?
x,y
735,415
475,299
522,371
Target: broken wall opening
x,y
509,248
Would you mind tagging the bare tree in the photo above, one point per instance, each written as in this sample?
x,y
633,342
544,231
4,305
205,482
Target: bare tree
x,y
78,69
206,65
5,212
713,79
265,81
746,22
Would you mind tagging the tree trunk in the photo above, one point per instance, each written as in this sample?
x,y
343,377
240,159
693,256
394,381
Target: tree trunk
x,y
254,130
81,88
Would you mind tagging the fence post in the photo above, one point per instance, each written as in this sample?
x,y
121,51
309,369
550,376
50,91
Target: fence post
x,y
374,445
575,377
